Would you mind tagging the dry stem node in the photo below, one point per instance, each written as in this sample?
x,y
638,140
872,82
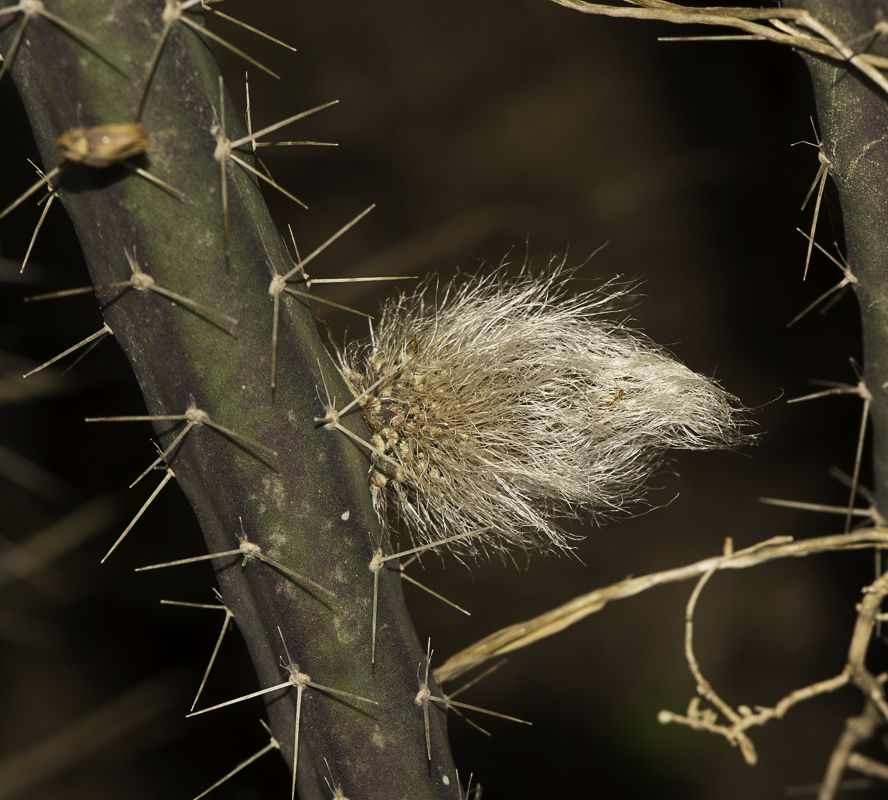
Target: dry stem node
x,y
508,401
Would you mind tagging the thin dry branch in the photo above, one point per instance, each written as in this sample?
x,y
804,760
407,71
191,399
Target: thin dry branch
x,y
788,26
741,719
522,634
858,730
868,766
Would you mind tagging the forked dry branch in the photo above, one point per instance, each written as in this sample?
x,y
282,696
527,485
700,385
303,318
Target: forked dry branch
x,y
741,719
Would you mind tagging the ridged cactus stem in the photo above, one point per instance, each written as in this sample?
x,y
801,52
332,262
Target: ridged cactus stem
x,y
853,121
307,508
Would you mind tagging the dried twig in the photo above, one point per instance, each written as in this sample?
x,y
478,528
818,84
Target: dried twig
x,y
522,634
789,26
858,730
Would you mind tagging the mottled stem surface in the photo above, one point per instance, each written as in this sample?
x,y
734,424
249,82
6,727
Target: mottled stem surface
x,y
308,508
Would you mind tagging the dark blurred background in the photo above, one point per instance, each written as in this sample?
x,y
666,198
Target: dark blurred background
x,y
482,131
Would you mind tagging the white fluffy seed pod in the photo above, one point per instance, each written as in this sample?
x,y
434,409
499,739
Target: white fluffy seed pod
x,y
509,401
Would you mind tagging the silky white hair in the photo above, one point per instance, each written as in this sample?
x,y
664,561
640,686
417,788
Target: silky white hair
x,y
510,401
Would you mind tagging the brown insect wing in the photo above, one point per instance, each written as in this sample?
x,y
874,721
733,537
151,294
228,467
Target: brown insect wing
x,y
103,145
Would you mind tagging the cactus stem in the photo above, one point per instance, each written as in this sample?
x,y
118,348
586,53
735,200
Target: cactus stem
x,y
228,617
166,479
98,335
273,744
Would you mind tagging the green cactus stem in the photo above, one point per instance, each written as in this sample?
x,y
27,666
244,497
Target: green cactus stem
x,y
853,121
307,508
